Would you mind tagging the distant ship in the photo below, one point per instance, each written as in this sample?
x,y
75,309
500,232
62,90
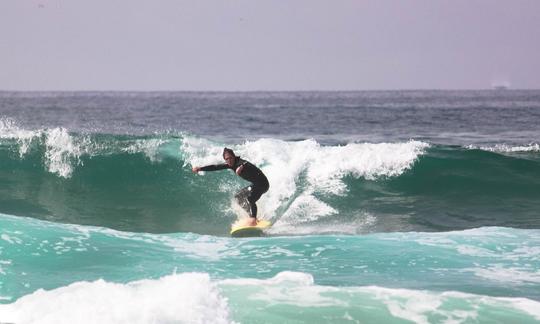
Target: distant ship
x,y
500,87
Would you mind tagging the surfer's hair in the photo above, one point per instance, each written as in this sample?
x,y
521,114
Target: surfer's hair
x,y
228,150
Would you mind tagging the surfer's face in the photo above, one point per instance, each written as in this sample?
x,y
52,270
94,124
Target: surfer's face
x,y
229,159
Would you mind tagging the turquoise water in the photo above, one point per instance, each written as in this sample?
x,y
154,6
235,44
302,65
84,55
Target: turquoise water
x,y
387,207
395,277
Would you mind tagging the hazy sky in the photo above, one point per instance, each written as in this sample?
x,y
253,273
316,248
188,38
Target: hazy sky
x,y
268,45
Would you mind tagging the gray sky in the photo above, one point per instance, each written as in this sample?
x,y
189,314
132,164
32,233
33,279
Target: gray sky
x,y
268,45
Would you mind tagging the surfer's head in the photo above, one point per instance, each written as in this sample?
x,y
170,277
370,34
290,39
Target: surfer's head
x,y
228,156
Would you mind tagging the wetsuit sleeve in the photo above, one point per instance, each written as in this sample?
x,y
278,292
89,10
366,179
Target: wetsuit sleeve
x,y
215,167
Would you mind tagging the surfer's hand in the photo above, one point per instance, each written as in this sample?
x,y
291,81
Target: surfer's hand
x,y
196,169
239,169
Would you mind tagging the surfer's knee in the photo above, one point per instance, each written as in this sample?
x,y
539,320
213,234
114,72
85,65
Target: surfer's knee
x,y
251,200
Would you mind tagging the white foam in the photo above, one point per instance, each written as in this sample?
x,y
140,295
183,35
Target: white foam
x,y
365,160
528,306
178,298
298,289
306,208
295,278
484,242
512,275
475,251
199,151
77,237
2,264
360,224
10,130
287,287
149,147
309,166
62,151
411,305
193,245
505,148
531,253
11,239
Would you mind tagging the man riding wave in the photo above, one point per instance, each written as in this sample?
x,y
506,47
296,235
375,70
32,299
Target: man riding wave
x,y
248,196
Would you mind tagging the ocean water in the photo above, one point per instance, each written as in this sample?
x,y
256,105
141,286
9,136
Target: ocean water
x,y
388,207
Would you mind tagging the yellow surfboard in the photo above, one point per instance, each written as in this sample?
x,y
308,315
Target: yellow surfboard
x,y
240,229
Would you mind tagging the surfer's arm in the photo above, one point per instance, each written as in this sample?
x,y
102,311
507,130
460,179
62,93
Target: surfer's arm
x,y
214,167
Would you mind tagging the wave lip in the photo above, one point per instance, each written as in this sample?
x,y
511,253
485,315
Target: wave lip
x,y
62,151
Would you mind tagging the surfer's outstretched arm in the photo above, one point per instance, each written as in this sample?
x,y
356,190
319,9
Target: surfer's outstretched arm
x,y
214,167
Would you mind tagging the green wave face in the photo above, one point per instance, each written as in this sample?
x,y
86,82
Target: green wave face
x,y
145,184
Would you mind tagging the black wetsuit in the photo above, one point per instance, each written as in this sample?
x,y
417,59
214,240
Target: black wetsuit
x,y
248,196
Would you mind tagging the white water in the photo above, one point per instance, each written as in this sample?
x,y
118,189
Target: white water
x,y
317,169
195,298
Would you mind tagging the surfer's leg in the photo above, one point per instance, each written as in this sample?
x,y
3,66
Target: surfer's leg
x,y
254,195
242,198
253,208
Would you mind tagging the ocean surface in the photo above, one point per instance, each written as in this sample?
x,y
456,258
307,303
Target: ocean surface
x,y
388,207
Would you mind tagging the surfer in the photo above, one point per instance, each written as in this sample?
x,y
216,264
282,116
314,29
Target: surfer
x,y
248,196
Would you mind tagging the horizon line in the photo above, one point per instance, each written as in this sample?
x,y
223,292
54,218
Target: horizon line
x,y
268,91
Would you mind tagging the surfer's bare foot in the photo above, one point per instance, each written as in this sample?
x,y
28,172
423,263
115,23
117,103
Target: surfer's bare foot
x,y
252,221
